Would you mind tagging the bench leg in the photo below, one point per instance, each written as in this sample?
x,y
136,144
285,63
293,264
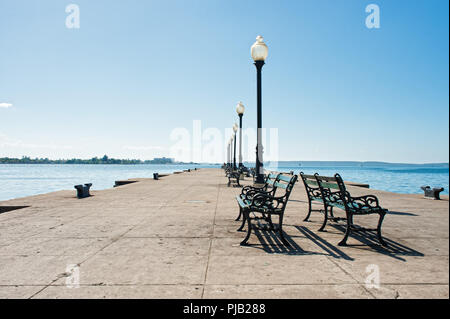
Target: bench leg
x,y
280,231
380,238
244,219
309,210
249,226
240,214
331,212
343,242
269,220
325,219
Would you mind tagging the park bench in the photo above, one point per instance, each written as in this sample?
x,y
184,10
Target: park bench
x,y
334,194
249,191
263,205
233,175
314,195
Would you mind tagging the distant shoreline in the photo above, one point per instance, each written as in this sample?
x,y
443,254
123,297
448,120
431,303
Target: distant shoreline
x,y
168,161
105,160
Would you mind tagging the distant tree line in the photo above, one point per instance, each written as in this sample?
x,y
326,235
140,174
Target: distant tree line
x,y
95,160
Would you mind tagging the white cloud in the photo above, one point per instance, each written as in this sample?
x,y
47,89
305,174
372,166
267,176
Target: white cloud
x,y
5,105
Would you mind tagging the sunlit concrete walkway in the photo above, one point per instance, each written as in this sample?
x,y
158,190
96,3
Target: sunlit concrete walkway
x,y
176,238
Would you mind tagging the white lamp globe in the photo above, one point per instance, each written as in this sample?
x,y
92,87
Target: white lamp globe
x,y
235,128
240,109
259,49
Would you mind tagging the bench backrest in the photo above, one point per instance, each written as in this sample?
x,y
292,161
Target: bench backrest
x,y
331,188
271,178
270,182
285,184
311,185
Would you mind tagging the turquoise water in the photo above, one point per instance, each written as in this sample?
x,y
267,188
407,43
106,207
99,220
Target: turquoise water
x,y
393,178
21,180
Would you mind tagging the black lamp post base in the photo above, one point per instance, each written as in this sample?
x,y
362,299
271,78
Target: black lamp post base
x,y
259,180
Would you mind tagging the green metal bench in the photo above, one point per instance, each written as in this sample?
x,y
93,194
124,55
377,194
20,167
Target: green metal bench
x,y
233,175
334,194
315,195
263,205
249,191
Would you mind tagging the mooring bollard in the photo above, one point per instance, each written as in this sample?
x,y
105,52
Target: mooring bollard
x,y
432,192
83,190
155,176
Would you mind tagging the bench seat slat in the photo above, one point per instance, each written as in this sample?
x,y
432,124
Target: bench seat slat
x,y
284,178
330,185
327,178
310,182
280,185
243,203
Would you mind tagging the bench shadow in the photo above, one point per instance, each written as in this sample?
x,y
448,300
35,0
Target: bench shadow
x,y
331,249
369,238
4,209
298,201
401,213
271,243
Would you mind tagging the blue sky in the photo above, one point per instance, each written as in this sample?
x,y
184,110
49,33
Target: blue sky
x,y
135,70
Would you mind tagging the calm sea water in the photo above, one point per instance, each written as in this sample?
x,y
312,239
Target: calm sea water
x,y
19,180
395,178
24,180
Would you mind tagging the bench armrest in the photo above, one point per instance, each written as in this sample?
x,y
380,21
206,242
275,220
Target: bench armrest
x,y
366,201
234,174
253,192
267,200
249,188
332,197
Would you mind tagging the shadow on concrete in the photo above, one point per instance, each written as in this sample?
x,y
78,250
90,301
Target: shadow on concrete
x,y
271,243
4,209
369,238
298,201
331,250
401,213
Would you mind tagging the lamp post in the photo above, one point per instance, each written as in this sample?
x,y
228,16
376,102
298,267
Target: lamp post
x,y
259,52
235,128
231,151
240,111
228,154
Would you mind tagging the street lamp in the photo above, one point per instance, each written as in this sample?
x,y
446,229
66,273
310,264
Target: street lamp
x,y
231,151
235,128
240,111
228,153
259,53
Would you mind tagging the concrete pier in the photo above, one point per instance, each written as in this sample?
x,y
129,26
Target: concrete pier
x,y
176,238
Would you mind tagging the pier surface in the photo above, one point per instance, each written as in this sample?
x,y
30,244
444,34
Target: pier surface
x,y
176,238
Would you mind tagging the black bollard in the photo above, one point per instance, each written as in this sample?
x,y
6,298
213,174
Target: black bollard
x,y
432,192
83,190
155,176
